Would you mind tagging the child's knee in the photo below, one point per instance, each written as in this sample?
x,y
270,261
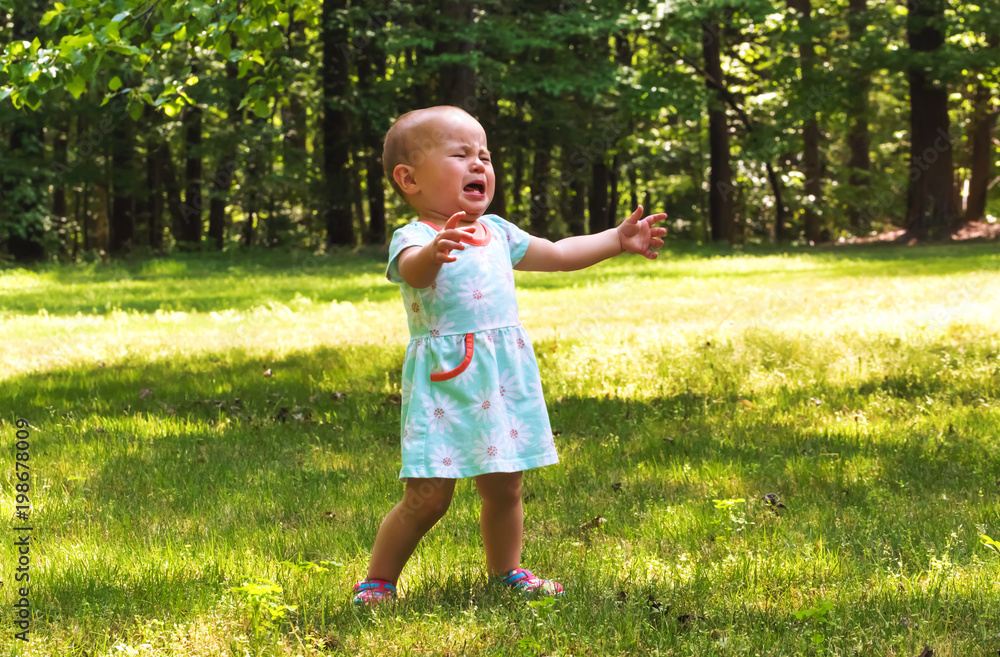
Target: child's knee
x,y
500,488
427,502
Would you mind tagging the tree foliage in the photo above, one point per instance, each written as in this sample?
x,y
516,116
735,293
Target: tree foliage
x,y
262,119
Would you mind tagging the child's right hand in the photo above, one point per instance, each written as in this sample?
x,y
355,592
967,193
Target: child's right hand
x,y
450,238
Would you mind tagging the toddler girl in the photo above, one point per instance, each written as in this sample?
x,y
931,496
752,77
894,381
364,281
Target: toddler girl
x,y
472,401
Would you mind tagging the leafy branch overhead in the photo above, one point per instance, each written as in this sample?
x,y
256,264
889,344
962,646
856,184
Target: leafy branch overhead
x,y
143,51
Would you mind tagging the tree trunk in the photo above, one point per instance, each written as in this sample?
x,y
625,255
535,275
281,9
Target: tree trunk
x,y
810,127
490,114
372,66
190,230
981,135
20,216
538,213
518,187
154,189
600,180
457,81
931,210
122,176
577,221
226,173
859,138
720,187
614,178
336,130
172,189
59,203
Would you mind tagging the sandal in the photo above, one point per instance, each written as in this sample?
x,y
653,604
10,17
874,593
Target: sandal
x,y
373,591
528,584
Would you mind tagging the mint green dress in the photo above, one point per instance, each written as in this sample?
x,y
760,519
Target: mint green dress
x,y
472,395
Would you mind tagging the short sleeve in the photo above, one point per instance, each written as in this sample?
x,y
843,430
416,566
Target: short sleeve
x,y
409,235
517,239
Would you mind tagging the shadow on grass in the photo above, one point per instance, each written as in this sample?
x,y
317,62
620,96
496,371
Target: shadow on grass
x,y
221,457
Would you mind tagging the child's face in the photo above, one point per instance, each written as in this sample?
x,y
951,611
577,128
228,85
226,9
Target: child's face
x,y
452,170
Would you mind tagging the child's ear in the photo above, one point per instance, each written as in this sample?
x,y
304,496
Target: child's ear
x,y
403,175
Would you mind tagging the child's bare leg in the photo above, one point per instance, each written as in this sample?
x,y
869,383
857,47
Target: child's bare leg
x,y
424,503
501,520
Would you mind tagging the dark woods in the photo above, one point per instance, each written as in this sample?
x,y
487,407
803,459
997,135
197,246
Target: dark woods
x,y
782,120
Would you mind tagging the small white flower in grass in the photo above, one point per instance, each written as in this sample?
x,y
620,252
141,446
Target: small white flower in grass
x,y
446,462
490,448
487,406
442,412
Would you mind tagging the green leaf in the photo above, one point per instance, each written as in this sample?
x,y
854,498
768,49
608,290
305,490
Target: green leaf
x,y
118,18
261,109
115,84
181,34
191,81
135,110
76,86
224,45
5,93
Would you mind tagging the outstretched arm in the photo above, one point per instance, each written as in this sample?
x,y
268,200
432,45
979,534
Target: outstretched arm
x,y
419,266
634,235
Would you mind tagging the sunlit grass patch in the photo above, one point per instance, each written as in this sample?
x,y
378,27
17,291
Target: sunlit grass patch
x,y
204,426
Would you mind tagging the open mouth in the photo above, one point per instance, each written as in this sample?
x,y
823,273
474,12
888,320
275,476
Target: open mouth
x,y
475,188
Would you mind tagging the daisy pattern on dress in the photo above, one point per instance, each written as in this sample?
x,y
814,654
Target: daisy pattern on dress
x,y
442,412
407,390
417,349
510,389
520,433
439,325
487,408
489,449
446,461
409,434
474,295
533,393
523,350
438,290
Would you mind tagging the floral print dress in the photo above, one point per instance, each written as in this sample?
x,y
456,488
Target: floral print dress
x,y
472,396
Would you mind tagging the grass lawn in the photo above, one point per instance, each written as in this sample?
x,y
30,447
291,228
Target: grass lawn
x,y
213,441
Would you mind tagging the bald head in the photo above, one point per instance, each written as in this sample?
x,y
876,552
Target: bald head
x,y
415,133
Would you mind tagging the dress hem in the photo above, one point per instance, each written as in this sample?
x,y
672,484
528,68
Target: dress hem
x,y
548,458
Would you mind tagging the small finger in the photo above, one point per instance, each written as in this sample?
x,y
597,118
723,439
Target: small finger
x,y
454,219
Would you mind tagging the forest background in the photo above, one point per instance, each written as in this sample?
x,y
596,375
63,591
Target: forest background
x,y
143,126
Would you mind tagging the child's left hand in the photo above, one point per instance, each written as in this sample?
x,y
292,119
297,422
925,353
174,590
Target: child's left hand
x,y
640,236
